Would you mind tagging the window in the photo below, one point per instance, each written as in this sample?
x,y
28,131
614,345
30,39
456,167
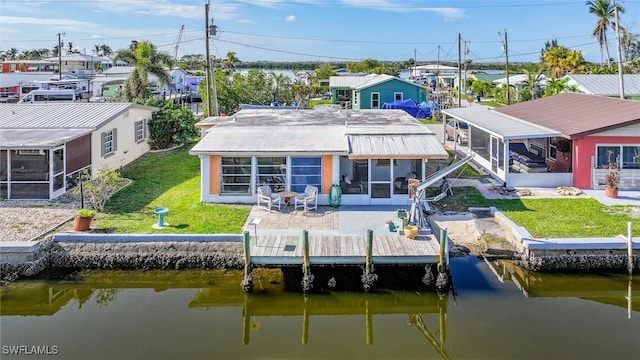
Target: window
x,y
139,131
398,96
375,100
272,171
553,150
621,156
109,142
305,171
236,175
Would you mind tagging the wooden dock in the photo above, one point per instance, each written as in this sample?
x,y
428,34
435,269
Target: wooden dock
x,y
274,250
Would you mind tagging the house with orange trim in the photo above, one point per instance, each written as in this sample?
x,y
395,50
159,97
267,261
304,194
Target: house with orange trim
x,y
369,154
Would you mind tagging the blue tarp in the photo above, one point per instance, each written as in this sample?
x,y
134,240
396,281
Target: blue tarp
x,y
410,107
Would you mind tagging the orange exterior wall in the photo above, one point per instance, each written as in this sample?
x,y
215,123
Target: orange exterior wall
x,y
327,173
214,176
585,148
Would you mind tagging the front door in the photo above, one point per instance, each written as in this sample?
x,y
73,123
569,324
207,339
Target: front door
x,y
381,181
57,172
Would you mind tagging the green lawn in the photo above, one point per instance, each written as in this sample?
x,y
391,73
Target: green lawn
x,y
173,180
168,180
549,217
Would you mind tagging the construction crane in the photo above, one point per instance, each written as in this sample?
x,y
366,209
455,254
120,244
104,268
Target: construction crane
x,y
177,45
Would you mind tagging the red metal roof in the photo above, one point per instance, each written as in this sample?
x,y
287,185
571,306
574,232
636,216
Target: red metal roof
x,y
576,115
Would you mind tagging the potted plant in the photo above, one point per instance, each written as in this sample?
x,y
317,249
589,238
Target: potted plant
x,y
391,225
612,179
82,220
611,182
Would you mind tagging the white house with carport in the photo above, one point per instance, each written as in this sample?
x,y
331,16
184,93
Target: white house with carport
x,y
369,154
605,84
43,147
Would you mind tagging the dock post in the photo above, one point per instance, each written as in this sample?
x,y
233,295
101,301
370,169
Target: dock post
x,y
247,282
369,252
442,280
368,278
305,251
307,277
443,244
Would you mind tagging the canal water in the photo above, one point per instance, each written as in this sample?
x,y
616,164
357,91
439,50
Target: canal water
x,y
496,311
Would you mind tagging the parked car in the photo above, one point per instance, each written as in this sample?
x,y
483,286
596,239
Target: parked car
x,y
9,97
459,132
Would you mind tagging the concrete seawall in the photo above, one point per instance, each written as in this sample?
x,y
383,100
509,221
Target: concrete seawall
x,y
99,252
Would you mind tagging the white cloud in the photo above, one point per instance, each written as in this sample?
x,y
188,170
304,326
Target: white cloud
x,y
96,37
47,22
290,18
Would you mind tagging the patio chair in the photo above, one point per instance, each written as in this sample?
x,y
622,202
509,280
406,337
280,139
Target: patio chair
x,y
267,199
308,200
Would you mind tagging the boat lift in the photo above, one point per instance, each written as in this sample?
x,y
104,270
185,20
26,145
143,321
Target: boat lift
x,y
420,203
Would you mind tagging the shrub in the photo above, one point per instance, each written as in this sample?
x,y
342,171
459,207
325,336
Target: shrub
x,y
98,189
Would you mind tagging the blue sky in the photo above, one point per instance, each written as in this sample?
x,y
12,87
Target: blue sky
x,y
312,30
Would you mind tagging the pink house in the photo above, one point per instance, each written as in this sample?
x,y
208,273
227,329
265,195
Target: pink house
x,y
563,140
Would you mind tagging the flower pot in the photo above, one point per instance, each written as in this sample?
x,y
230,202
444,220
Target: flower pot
x,y
611,192
411,231
81,223
392,227
403,221
402,213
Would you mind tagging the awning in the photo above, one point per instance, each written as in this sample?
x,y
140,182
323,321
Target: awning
x,y
409,146
38,138
500,125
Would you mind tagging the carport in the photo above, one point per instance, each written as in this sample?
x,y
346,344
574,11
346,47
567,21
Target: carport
x,y
490,134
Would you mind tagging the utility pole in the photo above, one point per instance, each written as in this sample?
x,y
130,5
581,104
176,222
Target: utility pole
x,y
620,75
466,51
60,35
415,65
459,71
212,32
505,46
208,61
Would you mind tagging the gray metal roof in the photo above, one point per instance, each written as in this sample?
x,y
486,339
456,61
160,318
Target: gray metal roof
x,y
37,138
61,115
504,126
394,146
318,132
606,84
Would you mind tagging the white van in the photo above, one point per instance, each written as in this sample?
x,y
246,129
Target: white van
x,y
54,95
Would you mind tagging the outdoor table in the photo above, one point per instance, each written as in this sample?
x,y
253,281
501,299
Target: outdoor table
x,y
287,196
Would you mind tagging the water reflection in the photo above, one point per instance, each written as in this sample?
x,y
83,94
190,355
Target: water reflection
x,y
610,289
205,314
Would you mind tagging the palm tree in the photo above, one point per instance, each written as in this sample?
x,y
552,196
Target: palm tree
x,y
230,63
12,54
604,10
555,86
147,60
532,84
280,81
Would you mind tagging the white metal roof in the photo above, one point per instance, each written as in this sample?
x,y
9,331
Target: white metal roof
x,y
348,81
606,84
266,131
61,115
503,126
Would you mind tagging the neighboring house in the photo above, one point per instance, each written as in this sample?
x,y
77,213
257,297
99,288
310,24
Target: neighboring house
x,y
606,85
516,81
107,86
15,81
79,64
372,91
10,66
369,154
562,140
43,147
177,77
